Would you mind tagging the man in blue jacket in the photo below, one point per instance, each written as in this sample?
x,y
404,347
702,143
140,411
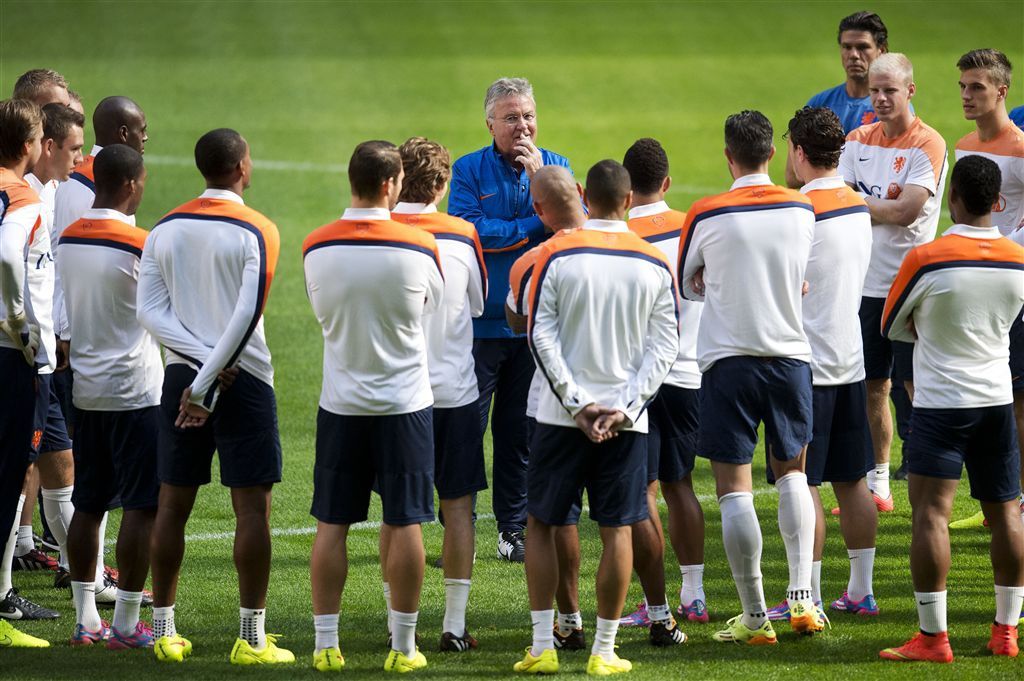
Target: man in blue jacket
x,y
491,188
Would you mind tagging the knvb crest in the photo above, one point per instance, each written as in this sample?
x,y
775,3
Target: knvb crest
x,y
899,163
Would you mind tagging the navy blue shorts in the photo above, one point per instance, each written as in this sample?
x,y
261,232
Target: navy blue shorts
x,y
738,393
242,430
63,386
985,439
564,462
393,455
115,459
17,405
840,449
673,421
883,358
458,455
51,433
1017,354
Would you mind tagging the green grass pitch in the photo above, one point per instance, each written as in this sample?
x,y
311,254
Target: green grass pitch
x,y
305,82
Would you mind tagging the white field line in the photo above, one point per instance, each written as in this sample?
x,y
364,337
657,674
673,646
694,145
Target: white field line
x,y
375,524
259,164
300,167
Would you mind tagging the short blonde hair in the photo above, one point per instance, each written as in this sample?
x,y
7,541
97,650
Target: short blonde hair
x,y
427,166
893,64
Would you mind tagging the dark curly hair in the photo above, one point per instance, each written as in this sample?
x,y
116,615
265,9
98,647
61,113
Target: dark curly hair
x,y
819,132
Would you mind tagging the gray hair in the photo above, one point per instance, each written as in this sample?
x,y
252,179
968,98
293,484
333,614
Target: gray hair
x,y
506,87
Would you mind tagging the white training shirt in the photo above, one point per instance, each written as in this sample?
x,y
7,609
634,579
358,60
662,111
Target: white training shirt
x,y
755,241
881,167
961,292
1007,151
449,330
661,226
203,283
603,326
117,362
518,300
19,218
40,276
835,275
370,280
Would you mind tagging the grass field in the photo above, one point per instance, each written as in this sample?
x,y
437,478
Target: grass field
x,y
305,82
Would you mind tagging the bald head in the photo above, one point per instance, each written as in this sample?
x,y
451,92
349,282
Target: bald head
x,y
556,198
119,120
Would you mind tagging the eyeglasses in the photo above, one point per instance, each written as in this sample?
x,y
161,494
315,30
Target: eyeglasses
x,y
512,120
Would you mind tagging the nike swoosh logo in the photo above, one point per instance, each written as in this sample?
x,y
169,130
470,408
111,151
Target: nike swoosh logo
x,y
928,603
864,159
6,641
13,614
487,196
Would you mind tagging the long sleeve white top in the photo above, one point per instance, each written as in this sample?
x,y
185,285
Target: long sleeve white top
x,y
960,293
753,243
449,330
117,362
203,284
603,323
370,281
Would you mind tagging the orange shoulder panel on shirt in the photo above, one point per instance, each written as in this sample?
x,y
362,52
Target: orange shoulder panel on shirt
x,y
85,168
949,248
107,230
655,225
369,231
1009,142
437,223
520,268
866,132
19,192
758,195
827,200
918,136
237,211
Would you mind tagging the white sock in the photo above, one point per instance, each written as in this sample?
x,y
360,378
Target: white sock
x,y
1008,604
569,623
84,594
543,631
387,602
163,622
126,611
931,611
604,638
862,567
326,627
251,627
659,613
403,636
741,534
881,482
25,541
796,523
100,565
816,581
693,584
456,597
12,541
58,511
